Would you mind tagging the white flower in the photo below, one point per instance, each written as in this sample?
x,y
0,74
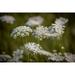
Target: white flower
x,y
34,21
41,32
17,55
56,57
4,57
7,19
69,57
57,29
33,47
21,31
61,21
36,48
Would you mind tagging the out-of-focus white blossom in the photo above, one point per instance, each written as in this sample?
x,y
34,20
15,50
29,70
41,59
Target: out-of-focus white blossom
x,y
17,55
21,31
7,19
4,57
56,57
57,29
61,21
41,32
36,48
33,47
34,21
69,57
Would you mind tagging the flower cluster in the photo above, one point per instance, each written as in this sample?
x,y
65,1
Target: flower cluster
x,y
36,48
41,32
69,57
4,57
7,19
31,46
21,31
34,21
17,55
56,57
57,29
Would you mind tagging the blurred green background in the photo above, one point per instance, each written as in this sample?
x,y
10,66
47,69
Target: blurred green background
x,y
8,44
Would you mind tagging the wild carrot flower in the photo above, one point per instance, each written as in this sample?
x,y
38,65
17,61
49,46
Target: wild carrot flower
x,y
57,29
21,31
56,56
69,57
7,19
41,32
36,48
34,21
5,57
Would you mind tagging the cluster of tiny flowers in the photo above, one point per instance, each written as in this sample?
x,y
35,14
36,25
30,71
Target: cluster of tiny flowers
x,y
69,57
17,55
57,29
21,31
7,19
34,21
31,46
56,57
41,32
36,48
4,57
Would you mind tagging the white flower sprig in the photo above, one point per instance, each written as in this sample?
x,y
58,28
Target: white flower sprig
x,y
17,55
33,47
36,48
57,29
56,56
21,31
41,32
69,57
4,57
7,19
34,21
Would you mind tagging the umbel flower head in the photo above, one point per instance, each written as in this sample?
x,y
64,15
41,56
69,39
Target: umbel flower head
x,y
34,21
4,57
69,57
36,48
33,47
21,31
41,32
57,29
61,21
7,19
56,57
